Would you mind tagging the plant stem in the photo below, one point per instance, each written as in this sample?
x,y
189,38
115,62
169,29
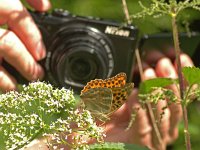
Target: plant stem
x,y
156,130
160,145
126,12
181,82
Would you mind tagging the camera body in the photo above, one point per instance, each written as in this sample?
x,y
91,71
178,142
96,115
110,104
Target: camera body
x,y
80,49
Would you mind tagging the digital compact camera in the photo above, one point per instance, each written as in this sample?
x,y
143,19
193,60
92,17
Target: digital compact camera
x,y
80,49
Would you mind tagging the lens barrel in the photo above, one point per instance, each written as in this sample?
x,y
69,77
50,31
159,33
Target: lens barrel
x,y
79,54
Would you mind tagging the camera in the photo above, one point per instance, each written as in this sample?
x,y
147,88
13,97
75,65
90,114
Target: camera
x,y
80,49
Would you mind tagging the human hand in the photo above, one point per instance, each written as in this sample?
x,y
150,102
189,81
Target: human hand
x,y
21,43
141,132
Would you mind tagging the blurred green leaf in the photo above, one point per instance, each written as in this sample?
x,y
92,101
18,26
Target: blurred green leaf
x,y
194,124
116,146
192,75
146,86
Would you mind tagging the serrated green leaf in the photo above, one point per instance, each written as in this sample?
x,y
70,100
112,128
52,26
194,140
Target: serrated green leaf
x,y
116,146
192,75
146,86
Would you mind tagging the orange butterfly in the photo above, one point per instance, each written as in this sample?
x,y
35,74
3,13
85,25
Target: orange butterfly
x,y
106,96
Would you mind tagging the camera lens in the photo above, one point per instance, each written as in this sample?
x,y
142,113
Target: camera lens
x,y
79,54
81,65
81,68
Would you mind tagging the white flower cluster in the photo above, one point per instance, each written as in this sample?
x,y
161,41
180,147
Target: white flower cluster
x,y
40,109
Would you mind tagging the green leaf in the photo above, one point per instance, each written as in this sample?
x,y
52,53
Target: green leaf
x,y
116,146
146,86
192,75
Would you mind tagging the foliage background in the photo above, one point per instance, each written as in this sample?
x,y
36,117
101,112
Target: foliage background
x,y
112,9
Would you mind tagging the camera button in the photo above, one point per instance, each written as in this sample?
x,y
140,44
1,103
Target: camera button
x,y
90,17
97,18
60,13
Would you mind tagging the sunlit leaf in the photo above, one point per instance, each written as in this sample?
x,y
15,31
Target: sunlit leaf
x,y
146,86
192,75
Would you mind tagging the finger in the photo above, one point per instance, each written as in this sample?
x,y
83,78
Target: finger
x,y
152,56
144,66
162,115
149,73
186,61
163,119
40,5
37,144
7,82
165,68
170,53
21,23
16,54
141,128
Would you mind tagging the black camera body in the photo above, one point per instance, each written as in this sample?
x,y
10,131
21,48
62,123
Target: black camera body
x,y
80,49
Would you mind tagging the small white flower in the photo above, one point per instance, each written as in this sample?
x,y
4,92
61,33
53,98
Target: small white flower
x,y
55,147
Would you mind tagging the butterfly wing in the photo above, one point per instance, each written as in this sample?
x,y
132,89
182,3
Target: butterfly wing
x,y
120,95
106,96
97,83
97,100
117,81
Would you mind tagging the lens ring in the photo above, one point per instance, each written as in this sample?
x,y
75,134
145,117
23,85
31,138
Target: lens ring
x,y
96,66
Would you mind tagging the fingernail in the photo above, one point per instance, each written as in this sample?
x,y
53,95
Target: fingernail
x,y
186,61
7,83
149,74
41,51
167,68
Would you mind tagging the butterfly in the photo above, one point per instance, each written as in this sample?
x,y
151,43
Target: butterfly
x,y
106,96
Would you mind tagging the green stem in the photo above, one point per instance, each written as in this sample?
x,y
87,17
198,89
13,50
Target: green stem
x,y
181,82
187,94
159,143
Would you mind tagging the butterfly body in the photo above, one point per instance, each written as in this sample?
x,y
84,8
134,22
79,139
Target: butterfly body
x,y
106,96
